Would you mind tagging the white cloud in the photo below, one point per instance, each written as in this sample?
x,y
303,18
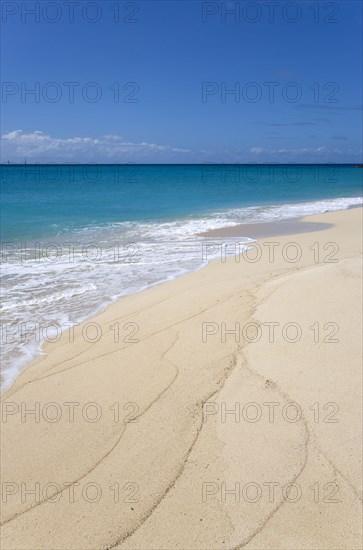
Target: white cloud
x,y
39,146
294,152
305,154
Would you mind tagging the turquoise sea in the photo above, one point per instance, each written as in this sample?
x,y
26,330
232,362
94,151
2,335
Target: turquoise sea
x,y
76,237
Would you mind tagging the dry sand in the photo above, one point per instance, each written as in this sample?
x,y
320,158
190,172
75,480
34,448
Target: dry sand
x,y
234,443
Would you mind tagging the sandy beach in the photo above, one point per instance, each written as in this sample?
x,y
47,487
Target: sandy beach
x,y
219,410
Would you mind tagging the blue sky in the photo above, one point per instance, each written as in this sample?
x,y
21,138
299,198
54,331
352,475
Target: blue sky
x,y
150,81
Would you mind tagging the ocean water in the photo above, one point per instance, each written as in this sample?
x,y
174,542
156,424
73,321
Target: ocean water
x,y
76,237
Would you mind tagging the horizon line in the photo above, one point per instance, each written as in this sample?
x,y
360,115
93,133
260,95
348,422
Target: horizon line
x,y
8,163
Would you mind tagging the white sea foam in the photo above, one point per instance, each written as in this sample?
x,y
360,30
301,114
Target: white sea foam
x,y
65,285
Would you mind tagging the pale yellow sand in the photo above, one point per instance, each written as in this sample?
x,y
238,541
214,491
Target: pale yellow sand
x,y
160,482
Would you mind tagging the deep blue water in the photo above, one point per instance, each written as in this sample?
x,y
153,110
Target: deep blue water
x,y
43,200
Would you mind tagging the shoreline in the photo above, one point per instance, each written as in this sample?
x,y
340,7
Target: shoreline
x,y
170,380
253,231
275,228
